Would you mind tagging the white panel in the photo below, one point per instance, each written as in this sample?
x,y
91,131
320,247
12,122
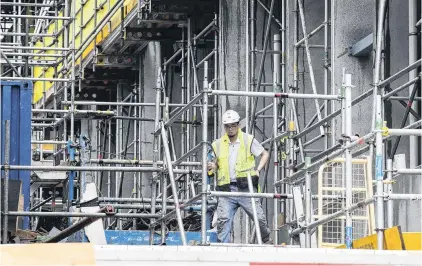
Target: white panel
x,y
95,231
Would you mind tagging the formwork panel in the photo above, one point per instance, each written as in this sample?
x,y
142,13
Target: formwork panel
x,y
89,28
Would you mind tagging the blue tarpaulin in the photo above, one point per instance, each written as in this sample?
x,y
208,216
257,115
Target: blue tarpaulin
x,y
142,237
134,237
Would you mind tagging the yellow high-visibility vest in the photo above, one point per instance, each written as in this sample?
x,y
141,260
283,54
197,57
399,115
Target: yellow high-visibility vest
x,y
245,161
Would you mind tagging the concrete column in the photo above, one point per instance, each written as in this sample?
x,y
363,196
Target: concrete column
x,y
232,59
88,129
232,68
150,63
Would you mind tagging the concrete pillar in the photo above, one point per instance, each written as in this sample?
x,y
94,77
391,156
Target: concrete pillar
x,y
232,68
88,129
232,50
151,61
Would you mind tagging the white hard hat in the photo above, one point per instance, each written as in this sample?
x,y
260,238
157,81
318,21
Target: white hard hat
x,y
230,116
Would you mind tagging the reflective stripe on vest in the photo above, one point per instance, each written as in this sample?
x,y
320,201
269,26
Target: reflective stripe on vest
x,y
245,161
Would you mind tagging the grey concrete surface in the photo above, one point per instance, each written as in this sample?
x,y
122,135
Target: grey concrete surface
x,y
232,60
151,63
407,214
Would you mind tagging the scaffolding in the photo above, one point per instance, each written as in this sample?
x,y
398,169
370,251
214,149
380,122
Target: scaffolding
x,y
65,52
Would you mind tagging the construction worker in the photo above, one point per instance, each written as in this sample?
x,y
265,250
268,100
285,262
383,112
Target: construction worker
x,y
235,159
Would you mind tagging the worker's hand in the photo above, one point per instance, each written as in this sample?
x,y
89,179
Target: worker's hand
x,y
257,172
211,166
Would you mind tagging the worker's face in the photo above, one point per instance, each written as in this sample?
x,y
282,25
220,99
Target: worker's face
x,y
231,129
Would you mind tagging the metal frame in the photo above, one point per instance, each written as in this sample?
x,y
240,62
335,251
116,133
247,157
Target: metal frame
x,y
295,166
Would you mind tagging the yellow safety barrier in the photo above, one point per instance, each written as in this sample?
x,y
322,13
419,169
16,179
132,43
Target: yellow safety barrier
x,y
394,239
412,240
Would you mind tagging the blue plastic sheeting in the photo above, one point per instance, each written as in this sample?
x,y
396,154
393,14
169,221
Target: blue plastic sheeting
x,y
16,97
115,237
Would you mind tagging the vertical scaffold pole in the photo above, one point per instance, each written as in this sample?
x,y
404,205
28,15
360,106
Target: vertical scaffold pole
x,y
390,205
347,86
276,81
308,202
204,157
379,175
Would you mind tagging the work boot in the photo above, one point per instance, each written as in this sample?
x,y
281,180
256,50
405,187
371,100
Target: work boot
x,y
267,240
